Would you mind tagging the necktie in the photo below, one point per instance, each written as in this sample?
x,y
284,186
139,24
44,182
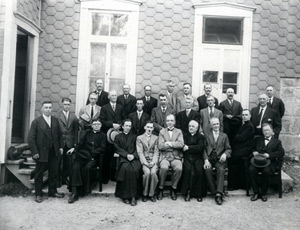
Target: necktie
x,y
211,114
114,107
187,113
163,110
66,115
230,102
216,136
92,112
139,115
148,99
126,96
267,139
260,117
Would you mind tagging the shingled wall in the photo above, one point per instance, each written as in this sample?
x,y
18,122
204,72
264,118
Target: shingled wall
x,y
30,9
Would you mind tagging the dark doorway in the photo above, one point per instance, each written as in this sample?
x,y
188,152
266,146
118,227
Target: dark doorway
x,y
20,89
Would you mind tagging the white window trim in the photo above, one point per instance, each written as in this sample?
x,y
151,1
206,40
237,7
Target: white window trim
x,y
110,5
223,9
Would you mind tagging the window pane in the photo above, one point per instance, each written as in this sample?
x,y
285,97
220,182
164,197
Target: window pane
x,y
118,61
119,25
230,77
226,86
223,31
100,24
210,76
98,54
116,84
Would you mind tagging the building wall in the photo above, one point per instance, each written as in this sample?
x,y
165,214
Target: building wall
x,y
30,9
2,20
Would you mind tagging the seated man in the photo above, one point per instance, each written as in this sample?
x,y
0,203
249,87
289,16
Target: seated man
x,y
87,158
193,149
170,143
147,149
267,152
129,167
215,156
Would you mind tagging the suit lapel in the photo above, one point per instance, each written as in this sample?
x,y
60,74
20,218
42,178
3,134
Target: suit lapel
x,y
62,117
44,126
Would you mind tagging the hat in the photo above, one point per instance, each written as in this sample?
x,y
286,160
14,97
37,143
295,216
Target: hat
x,y
260,161
111,135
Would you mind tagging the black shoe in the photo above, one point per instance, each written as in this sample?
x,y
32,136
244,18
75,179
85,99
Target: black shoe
x,y
133,201
160,194
218,199
199,199
126,201
144,199
254,197
38,199
57,195
72,198
187,198
153,198
173,194
264,198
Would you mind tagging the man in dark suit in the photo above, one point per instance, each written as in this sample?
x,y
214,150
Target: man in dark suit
x,y
241,150
45,143
127,100
275,102
111,116
102,95
268,150
129,167
138,118
184,117
149,102
215,156
264,114
68,123
202,100
159,114
232,115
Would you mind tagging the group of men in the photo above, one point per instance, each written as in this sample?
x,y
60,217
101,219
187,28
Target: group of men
x,y
190,138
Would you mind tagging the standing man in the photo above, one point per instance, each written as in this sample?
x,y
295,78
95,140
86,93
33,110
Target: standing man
x,y
45,143
275,102
88,114
217,151
184,117
69,126
208,113
187,88
171,96
232,114
129,167
267,154
202,100
111,116
138,118
241,150
102,95
127,100
170,144
149,102
159,114
265,114
147,149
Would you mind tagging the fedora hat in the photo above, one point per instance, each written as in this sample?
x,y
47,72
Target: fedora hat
x,y
111,135
260,161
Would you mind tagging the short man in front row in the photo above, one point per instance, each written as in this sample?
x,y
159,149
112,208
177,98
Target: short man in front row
x,y
138,118
170,144
69,127
147,149
193,177
45,143
208,113
129,167
215,156
267,154
88,155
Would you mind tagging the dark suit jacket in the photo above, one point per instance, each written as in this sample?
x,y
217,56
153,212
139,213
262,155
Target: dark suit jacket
x,y
129,105
231,125
196,146
42,138
159,119
138,124
205,120
222,145
69,129
243,140
277,105
102,99
149,105
274,149
270,116
182,121
108,116
202,102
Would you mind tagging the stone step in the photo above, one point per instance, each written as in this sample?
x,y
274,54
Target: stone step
x,y
15,162
25,171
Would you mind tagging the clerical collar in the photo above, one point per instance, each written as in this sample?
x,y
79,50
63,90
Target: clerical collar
x,y
96,131
170,129
125,133
192,134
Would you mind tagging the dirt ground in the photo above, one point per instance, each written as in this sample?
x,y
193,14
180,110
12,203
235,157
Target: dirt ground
x,y
18,210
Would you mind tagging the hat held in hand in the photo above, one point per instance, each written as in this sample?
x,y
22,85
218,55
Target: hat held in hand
x,y
260,161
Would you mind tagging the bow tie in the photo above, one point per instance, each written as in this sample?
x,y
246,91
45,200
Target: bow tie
x,y
267,138
170,129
